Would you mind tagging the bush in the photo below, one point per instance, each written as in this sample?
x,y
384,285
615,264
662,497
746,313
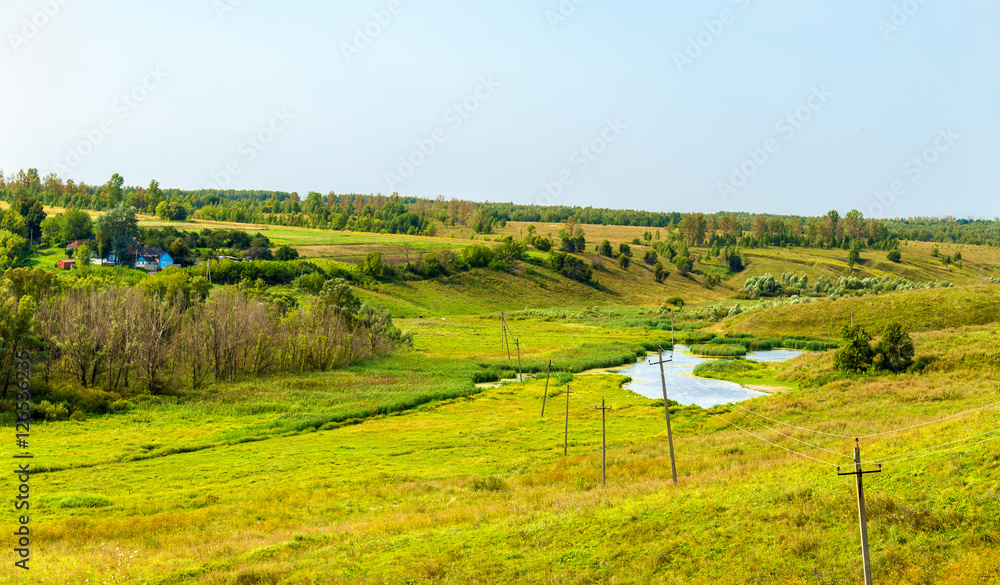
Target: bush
x,y
856,355
576,269
894,255
478,256
286,253
894,352
488,484
624,262
724,350
373,266
675,301
78,416
659,274
652,258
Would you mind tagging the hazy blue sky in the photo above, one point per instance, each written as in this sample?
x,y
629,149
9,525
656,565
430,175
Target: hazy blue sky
x,y
656,105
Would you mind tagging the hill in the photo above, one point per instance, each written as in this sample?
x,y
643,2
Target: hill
x,y
919,310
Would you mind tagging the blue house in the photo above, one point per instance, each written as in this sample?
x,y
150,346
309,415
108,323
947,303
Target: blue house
x,y
153,260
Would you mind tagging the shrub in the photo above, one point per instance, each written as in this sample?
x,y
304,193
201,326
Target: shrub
x,y
894,255
894,352
659,273
724,350
652,258
373,266
624,262
675,301
683,264
489,484
286,253
577,269
478,256
856,355
78,416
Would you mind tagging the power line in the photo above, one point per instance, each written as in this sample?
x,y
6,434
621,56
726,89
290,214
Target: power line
x,y
765,440
947,450
698,381
896,458
951,416
891,458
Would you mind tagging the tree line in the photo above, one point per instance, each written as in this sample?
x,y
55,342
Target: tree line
x,y
95,338
418,216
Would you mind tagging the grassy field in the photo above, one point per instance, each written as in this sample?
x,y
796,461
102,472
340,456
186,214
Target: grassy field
x,y
400,471
922,310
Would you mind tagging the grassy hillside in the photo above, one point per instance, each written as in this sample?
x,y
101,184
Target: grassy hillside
x,y
920,310
476,489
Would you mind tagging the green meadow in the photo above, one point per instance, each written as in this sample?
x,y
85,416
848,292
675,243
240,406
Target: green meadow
x,y
435,465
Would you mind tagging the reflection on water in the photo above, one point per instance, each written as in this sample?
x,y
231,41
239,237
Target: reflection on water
x,y
685,388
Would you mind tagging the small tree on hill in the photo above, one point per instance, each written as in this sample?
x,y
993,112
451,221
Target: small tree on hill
x,y
659,273
894,255
856,355
894,352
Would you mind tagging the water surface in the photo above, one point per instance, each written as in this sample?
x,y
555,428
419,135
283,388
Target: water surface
x,y
687,389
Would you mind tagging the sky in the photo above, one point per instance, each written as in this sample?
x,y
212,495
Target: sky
x,y
774,106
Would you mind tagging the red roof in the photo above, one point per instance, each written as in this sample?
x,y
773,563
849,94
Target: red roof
x,y
66,264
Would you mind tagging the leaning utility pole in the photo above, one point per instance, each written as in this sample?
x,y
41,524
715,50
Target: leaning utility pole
x,y
520,373
666,410
862,516
545,396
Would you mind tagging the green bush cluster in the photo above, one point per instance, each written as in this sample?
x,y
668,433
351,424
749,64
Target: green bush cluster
x,y
719,350
893,352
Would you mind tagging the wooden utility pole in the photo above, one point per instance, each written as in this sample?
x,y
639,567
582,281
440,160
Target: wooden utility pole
x,y
566,432
666,410
520,376
548,371
862,516
506,330
604,445
503,334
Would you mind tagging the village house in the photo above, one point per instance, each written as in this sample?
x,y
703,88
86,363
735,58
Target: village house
x,y
153,260
148,259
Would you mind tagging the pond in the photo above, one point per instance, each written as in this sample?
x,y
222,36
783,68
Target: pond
x,y
685,388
